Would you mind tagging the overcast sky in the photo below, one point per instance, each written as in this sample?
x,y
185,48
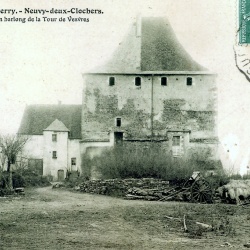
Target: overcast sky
x,y
42,63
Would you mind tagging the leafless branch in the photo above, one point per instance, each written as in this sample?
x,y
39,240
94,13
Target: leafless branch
x,y
10,146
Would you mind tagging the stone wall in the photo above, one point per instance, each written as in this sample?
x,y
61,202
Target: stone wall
x,y
148,110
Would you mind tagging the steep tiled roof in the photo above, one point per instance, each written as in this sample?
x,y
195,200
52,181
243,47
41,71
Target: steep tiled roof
x,y
37,118
57,125
155,49
160,49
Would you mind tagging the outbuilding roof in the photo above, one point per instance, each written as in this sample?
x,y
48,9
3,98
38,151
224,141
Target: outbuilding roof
x,y
37,118
150,46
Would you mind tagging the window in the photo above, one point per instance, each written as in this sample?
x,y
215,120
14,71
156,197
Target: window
x,y
189,81
118,122
111,81
73,161
176,146
176,140
54,137
164,81
138,81
54,154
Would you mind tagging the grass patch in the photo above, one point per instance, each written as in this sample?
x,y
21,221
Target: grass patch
x,y
219,217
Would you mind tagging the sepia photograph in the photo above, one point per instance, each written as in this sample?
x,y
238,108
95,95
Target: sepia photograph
x,y
124,124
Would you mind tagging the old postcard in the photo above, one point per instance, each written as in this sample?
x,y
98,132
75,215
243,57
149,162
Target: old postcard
x,y
145,100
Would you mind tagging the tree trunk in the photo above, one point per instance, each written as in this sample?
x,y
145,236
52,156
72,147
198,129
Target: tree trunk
x,y
8,166
10,181
10,184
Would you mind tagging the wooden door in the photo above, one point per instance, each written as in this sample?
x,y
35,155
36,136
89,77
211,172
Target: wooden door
x,y
60,175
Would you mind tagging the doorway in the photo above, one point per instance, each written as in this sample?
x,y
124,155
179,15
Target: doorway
x,y
60,175
118,137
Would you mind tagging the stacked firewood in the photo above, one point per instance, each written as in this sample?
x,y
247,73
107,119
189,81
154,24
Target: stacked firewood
x,y
104,187
143,194
146,188
159,193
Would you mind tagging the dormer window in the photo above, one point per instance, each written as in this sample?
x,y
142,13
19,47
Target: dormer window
x,y
111,81
164,81
189,81
138,81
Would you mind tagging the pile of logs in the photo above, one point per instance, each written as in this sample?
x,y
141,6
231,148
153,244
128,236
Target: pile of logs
x,y
143,194
104,187
152,194
132,189
236,191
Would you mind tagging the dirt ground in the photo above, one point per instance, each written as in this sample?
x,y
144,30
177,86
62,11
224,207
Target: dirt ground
x,y
47,218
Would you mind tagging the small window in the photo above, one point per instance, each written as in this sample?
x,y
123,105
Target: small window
x,y
138,81
118,122
176,140
111,81
73,161
189,81
54,154
164,81
54,137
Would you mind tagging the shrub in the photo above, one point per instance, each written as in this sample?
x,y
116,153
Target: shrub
x,y
218,180
240,177
31,178
73,179
140,162
86,170
24,178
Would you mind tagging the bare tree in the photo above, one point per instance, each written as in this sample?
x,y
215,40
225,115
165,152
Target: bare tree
x,y
10,146
2,161
21,162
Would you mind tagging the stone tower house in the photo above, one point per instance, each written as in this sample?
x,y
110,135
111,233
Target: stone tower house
x,y
150,90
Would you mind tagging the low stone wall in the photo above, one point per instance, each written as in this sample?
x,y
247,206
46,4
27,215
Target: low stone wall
x,y
118,187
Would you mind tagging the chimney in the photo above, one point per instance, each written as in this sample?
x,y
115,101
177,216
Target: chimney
x,y
138,26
